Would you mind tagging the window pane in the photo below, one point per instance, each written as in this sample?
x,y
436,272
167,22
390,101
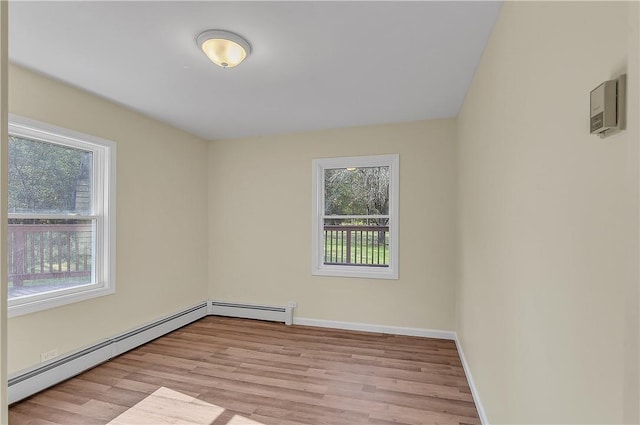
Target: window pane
x,y
48,178
356,242
356,191
46,255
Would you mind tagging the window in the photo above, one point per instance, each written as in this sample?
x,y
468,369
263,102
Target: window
x,y
355,217
61,246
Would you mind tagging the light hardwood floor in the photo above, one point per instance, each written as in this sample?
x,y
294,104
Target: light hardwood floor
x,y
226,371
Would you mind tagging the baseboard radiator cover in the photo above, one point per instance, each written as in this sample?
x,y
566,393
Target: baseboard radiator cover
x,y
252,311
31,381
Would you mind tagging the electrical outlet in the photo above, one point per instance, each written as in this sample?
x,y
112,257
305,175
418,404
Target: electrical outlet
x,y
293,304
48,355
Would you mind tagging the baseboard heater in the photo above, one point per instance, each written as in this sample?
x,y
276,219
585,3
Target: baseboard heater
x,y
29,382
253,311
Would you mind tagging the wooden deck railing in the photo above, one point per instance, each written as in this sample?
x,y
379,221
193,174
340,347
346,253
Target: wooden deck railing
x,y
356,245
46,251
51,251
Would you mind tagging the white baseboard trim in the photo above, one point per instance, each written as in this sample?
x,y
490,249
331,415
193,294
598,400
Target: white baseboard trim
x,y
365,327
30,381
472,385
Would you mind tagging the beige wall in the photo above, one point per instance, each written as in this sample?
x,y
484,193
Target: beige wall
x,y
161,220
549,220
4,100
260,225
631,401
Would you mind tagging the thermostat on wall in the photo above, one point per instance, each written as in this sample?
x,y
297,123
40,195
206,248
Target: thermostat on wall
x,y
608,107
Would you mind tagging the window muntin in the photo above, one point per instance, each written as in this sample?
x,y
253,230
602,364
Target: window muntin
x,y
355,217
61,216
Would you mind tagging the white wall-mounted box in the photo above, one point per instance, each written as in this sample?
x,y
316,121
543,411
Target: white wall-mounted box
x,y
607,107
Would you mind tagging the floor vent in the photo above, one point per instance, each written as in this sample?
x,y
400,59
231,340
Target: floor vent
x,y
253,311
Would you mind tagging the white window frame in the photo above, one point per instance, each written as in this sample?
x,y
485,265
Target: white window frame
x,y
319,166
104,213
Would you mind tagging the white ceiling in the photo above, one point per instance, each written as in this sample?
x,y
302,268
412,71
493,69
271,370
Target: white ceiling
x,y
314,65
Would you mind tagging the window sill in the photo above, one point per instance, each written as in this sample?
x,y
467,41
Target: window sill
x,y
356,272
54,301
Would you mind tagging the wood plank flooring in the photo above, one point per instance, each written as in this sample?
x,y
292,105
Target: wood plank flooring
x,y
252,372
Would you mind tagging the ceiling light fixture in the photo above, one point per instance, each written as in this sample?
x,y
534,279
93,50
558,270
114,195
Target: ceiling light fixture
x,y
224,48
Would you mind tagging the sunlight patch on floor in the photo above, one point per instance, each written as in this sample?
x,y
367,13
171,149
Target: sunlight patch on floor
x,y
166,406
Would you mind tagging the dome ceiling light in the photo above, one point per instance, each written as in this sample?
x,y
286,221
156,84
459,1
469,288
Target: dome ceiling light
x,y
223,48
